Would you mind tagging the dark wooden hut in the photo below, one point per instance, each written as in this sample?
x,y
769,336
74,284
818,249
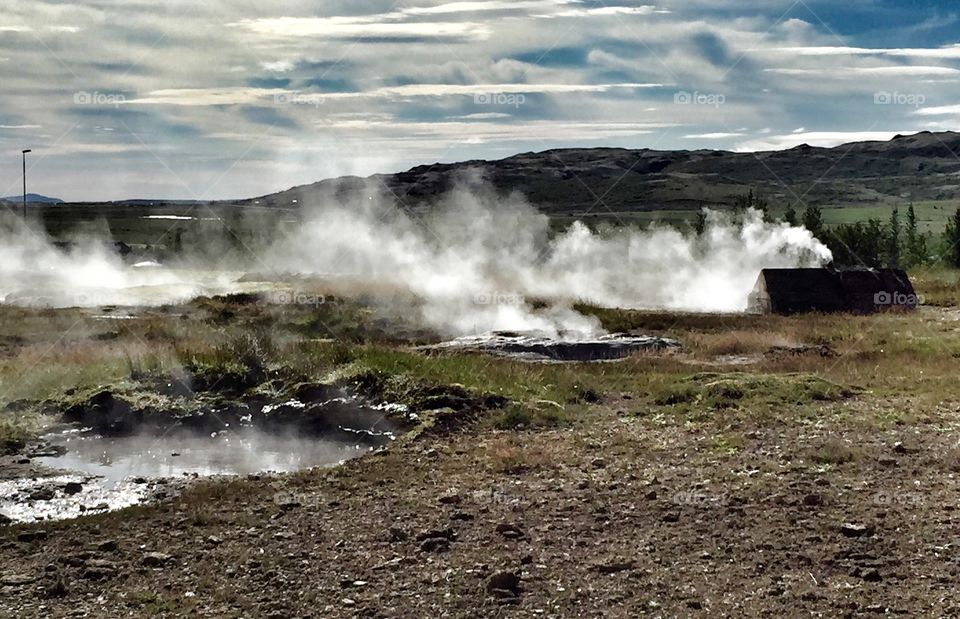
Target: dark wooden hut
x,y
795,291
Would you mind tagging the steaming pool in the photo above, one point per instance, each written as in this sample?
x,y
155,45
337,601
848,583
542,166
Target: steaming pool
x,y
80,472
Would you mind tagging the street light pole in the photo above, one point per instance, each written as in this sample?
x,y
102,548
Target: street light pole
x,y
24,154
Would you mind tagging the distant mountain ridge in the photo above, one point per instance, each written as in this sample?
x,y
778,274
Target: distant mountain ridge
x,y
33,198
923,166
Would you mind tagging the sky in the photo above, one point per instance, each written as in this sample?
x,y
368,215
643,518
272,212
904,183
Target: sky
x,y
213,99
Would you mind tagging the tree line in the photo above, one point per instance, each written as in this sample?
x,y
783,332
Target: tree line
x,y
895,243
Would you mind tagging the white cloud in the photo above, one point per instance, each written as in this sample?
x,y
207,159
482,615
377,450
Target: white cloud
x,y
712,136
824,139
249,96
944,110
948,52
898,71
351,27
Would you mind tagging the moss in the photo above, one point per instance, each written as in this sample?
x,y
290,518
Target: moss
x,y
734,390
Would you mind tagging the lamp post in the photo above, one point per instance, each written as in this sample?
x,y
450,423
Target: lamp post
x,y
24,154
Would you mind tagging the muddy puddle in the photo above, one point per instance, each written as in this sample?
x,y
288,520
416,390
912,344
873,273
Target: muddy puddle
x,y
563,348
78,471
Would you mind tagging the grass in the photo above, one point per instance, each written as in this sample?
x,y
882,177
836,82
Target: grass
x,y
888,355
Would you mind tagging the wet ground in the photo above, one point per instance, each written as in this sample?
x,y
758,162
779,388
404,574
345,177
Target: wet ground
x,y
77,470
566,347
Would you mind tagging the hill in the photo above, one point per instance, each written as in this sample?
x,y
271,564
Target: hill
x,y
32,198
920,167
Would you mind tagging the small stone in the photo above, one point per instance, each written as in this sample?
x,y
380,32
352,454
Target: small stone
x,y
813,500
450,498
30,536
510,531
155,559
504,585
397,534
43,494
856,530
107,546
462,516
614,567
73,487
651,495
435,544
16,580
671,517
447,534
871,575
598,463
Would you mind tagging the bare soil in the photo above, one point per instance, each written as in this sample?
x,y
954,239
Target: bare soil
x,y
632,511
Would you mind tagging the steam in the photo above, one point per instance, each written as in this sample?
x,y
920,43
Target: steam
x,y
34,271
476,262
480,261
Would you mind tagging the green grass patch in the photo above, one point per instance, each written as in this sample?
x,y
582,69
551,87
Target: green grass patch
x,y
716,391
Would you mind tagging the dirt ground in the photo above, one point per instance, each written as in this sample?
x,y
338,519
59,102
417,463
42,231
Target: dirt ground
x,y
628,515
784,482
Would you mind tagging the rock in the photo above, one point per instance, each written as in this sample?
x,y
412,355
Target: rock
x,y
446,534
451,497
107,546
462,516
214,540
671,517
598,463
42,494
155,559
813,500
30,536
614,567
871,575
504,585
4,521
651,495
310,393
510,531
902,449
435,544
17,580
856,530
58,589
398,535
73,487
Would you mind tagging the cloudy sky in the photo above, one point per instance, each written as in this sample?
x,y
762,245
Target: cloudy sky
x,y
235,98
